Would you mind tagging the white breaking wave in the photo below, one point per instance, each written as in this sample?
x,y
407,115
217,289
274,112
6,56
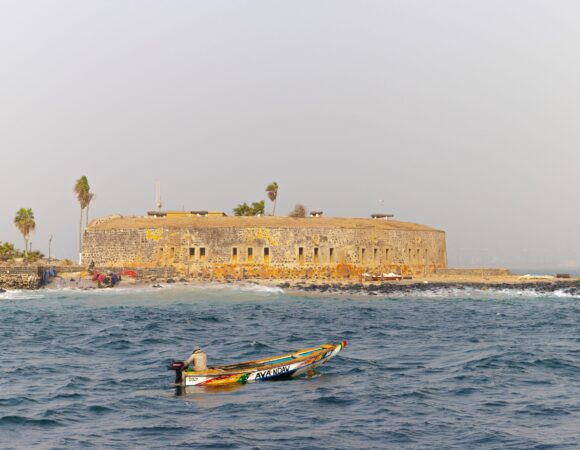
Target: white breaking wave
x,y
259,288
239,287
491,293
562,293
18,294
228,289
143,288
443,293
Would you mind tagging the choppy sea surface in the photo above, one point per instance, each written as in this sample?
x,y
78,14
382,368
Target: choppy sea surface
x,y
466,369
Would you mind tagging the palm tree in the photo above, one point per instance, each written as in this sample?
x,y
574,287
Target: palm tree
x,y
24,221
243,209
82,190
257,209
272,190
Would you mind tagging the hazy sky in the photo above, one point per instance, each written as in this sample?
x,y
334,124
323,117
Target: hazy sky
x,y
463,115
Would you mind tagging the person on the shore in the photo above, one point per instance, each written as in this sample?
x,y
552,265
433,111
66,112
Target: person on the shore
x,y
198,358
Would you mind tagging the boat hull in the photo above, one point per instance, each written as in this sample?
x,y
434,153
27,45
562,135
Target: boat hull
x,y
277,368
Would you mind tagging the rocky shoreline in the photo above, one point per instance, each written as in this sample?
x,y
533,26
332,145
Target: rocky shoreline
x,y
29,278
567,287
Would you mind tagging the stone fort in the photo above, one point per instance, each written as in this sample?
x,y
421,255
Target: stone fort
x,y
211,245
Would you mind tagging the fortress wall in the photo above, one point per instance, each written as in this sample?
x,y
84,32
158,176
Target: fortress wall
x,y
268,252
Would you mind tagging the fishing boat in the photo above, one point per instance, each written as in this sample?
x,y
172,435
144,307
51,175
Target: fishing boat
x,y
275,368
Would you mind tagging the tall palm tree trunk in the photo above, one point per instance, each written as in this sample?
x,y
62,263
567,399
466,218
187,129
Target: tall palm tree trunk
x,y
274,208
87,217
80,234
25,246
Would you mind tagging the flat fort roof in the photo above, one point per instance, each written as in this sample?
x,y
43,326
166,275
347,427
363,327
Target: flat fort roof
x,y
133,222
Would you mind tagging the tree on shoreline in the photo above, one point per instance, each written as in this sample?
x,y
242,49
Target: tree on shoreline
x,y
7,251
272,191
24,221
83,192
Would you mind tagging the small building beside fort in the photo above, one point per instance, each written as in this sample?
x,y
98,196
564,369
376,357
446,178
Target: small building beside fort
x,y
216,246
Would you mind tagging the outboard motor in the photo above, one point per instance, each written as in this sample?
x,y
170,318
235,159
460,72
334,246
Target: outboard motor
x,y
178,366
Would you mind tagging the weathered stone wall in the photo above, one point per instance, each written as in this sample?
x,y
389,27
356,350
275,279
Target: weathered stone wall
x,y
19,277
268,252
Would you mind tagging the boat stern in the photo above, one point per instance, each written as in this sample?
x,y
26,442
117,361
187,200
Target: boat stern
x,y
178,367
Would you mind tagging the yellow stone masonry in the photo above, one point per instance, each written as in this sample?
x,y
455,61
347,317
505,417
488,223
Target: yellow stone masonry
x,y
266,247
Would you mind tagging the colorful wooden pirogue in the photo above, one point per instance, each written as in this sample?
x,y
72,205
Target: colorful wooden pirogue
x,y
275,368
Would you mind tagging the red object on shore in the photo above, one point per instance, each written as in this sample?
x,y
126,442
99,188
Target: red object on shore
x,y
130,273
98,276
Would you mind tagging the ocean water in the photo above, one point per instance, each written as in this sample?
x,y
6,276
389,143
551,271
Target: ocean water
x,y
447,369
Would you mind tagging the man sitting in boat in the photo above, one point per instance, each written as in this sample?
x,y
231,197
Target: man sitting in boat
x,y
199,360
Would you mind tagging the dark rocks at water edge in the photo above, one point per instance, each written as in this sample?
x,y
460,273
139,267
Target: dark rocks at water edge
x,y
566,287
